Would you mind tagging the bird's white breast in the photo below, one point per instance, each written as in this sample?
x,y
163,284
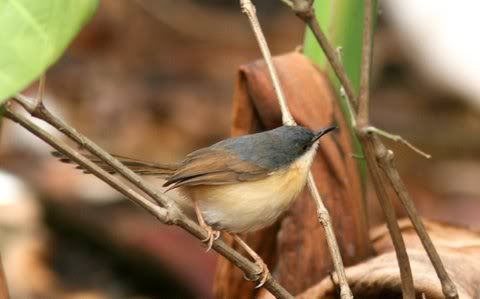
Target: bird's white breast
x,y
249,206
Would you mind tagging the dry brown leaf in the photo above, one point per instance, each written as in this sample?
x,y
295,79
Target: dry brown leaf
x,y
295,247
379,277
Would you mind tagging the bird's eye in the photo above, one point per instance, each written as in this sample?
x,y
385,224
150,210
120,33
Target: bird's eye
x,y
305,147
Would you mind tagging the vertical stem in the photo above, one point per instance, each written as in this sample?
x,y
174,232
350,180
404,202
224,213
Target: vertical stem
x,y
372,151
324,219
365,68
390,217
249,9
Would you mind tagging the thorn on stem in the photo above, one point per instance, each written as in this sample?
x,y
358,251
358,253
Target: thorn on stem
x,y
339,50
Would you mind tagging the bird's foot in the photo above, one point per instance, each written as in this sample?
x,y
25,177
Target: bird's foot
x,y
212,236
262,275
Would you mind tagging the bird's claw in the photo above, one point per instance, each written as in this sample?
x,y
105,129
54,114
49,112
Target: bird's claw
x,y
261,276
212,236
264,273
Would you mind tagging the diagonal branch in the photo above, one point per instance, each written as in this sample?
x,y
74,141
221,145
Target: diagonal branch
x,y
249,9
304,10
168,214
376,154
323,216
37,109
387,165
378,181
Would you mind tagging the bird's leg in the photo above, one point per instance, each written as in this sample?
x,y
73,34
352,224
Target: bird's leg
x,y
264,273
212,234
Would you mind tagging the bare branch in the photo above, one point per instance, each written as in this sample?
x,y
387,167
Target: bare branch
x,y
75,156
365,68
169,214
249,9
38,110
372,153
378,158
323,216
378,181
304,10
387,164
325,220
397,138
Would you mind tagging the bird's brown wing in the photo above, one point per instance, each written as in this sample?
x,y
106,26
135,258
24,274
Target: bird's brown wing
x,y
137,166
214,167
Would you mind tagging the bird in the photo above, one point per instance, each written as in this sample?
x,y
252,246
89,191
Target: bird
x,y
240,184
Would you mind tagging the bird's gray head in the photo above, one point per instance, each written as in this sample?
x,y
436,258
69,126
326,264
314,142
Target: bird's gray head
x,y
297,139
275,148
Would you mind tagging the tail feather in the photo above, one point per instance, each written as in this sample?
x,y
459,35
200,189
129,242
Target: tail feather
x,y
137,166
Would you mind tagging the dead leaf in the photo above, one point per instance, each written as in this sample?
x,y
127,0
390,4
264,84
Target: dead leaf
x,y
379,277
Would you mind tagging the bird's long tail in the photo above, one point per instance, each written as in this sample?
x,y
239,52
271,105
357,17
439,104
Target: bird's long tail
x,y
137,166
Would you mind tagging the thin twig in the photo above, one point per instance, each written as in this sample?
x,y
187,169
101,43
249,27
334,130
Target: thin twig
x,y
372,154
374,148
322,213
304,10
378,181
249,9
396,138
324,218
387,164
168,215
38,110
365,67
385,160
78,158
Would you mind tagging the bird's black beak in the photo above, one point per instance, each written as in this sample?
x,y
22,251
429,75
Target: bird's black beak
x,y
322,132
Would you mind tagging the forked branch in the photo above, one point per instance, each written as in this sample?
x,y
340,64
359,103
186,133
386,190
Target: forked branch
x,y
377,156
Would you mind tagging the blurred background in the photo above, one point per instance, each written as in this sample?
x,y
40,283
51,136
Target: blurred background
x,y
154,80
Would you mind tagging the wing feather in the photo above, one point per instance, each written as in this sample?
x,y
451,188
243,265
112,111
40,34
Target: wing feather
x,y
211,166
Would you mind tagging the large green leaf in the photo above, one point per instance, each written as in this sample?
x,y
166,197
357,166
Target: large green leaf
x,y
33,35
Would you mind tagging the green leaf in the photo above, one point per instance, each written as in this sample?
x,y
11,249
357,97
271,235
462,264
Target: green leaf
x,y
33,35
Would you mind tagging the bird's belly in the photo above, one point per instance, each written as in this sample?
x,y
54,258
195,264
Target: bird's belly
x,y
249,206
